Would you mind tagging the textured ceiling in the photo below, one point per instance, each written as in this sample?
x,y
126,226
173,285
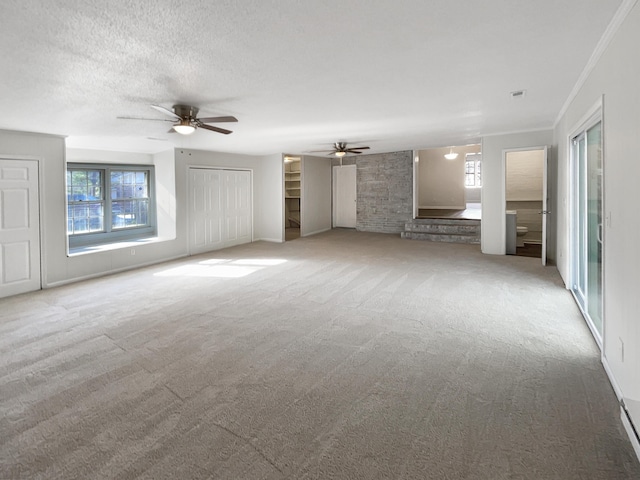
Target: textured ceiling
x,y
299,75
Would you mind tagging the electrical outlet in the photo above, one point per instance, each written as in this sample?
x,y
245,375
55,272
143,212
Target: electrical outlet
x,y
133,251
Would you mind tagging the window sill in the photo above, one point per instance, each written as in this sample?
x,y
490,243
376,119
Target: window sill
x,y
106,247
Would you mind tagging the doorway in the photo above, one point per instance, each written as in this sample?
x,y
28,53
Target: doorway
x,y
292,196
19,227
526,202
587,232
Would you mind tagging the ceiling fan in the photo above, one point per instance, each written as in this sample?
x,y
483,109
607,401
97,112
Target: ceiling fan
x,y
340,149
186,121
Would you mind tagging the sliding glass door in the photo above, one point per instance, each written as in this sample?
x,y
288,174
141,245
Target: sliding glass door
x,y
587,228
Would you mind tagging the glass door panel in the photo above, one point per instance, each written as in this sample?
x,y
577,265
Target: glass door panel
x,y
587,225
594,225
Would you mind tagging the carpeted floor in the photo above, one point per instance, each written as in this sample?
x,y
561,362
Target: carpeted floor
x,y
343,355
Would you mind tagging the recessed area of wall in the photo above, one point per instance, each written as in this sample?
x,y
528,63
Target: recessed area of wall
x,y
441,182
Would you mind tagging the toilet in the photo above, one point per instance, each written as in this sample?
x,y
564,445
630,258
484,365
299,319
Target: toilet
x,y
521,231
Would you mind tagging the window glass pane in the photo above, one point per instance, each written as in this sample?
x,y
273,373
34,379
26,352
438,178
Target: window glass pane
x,y
94,178
125,193
78,177
79,193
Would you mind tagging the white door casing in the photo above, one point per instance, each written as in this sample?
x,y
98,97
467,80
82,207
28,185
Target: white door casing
x,y
19,227
344,196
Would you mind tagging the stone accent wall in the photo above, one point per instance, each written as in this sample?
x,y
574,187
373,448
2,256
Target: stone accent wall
x,y
384,191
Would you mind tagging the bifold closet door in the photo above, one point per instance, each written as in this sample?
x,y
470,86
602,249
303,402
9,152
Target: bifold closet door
x,y
237,207
205,219
220,212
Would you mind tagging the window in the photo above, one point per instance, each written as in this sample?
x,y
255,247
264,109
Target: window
x,y
109,203
473,170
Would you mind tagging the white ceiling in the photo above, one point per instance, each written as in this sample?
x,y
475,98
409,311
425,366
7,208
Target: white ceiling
x,y
299,75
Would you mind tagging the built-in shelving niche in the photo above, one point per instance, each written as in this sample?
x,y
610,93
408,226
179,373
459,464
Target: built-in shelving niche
x,y
292,191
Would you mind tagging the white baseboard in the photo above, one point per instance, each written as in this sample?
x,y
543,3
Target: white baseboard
x,y
316,232
110,272
455,207
630,432
626,422
612,379
273,240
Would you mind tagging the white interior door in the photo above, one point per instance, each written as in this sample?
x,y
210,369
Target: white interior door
x,y
19,227
545,211
205,229
237,207
344,196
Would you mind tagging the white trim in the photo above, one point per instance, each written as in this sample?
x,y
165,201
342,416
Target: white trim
x,y
594,332
316,232
416,183
456,207
618,18
116,270
594,115
272,240
41,207
515,132
635,443
612,379
503,188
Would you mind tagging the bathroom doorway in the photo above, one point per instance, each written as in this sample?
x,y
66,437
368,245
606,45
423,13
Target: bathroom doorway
x,y
526,202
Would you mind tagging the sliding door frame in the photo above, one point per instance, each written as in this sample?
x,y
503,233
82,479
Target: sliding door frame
x,y
594,116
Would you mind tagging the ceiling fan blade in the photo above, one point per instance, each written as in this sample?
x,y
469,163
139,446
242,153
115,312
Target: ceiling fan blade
x,y
144,118
215,129
217,119
166,111
357,148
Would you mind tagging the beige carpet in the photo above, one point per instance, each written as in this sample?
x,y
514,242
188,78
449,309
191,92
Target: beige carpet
x,y
344,355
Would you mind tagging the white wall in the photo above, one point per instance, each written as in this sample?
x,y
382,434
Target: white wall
x,y
316,195
171,182
524,171
493,184
616,76
267,187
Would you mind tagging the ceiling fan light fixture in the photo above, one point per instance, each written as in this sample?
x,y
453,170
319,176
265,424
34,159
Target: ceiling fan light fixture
x,y
184,128
451,155
340,154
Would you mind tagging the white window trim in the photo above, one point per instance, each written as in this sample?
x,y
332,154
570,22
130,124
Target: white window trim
x,y
101,241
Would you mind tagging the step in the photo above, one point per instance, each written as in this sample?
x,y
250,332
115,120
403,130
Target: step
x,y
441,237
449,230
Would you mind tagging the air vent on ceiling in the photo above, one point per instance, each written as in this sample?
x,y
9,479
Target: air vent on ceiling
x,y
518,94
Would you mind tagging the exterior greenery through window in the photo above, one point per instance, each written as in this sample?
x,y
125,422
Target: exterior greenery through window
x,y
473,170
109,203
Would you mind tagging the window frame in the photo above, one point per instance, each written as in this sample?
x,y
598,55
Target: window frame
x,y
477,170
110,235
